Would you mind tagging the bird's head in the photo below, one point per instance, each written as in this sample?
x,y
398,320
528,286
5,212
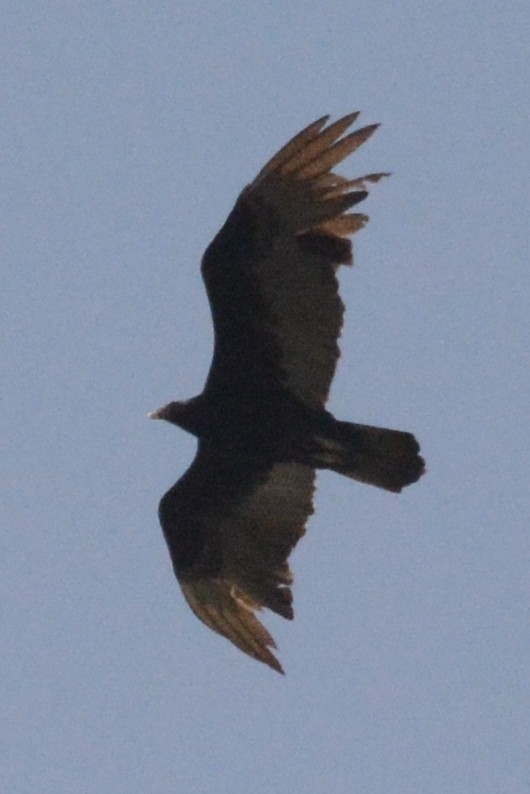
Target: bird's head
x,y
182,413
172,412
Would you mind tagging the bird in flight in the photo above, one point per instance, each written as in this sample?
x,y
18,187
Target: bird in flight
x,y
233,518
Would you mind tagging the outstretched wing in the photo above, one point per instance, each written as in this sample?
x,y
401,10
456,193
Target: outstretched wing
x,y
230,526
270,272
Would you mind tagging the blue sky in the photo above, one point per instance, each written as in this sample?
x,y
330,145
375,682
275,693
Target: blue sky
x,y
127,131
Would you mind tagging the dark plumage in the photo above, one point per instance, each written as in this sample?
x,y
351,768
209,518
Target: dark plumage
x,y
231,521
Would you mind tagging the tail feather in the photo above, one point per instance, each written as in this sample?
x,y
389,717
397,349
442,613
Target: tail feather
x,y
385,458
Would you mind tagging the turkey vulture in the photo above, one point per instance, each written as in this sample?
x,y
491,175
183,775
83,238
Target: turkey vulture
x,y
231,521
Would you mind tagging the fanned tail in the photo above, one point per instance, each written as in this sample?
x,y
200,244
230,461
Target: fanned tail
x,y
377,456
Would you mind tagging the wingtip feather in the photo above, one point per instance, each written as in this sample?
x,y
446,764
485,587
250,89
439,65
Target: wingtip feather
x,y
334,154
319,144
292,147
216,604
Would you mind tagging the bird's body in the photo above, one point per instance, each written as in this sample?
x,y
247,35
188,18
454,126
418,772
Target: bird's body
x,y
231,521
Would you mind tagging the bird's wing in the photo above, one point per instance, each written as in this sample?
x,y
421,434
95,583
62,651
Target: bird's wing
x,y
230,527
270,272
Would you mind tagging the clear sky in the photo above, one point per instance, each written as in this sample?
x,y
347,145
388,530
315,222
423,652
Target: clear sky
x,y
127,130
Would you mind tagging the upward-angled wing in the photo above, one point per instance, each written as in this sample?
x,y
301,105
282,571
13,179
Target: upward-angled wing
x,y
230,526
270,272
